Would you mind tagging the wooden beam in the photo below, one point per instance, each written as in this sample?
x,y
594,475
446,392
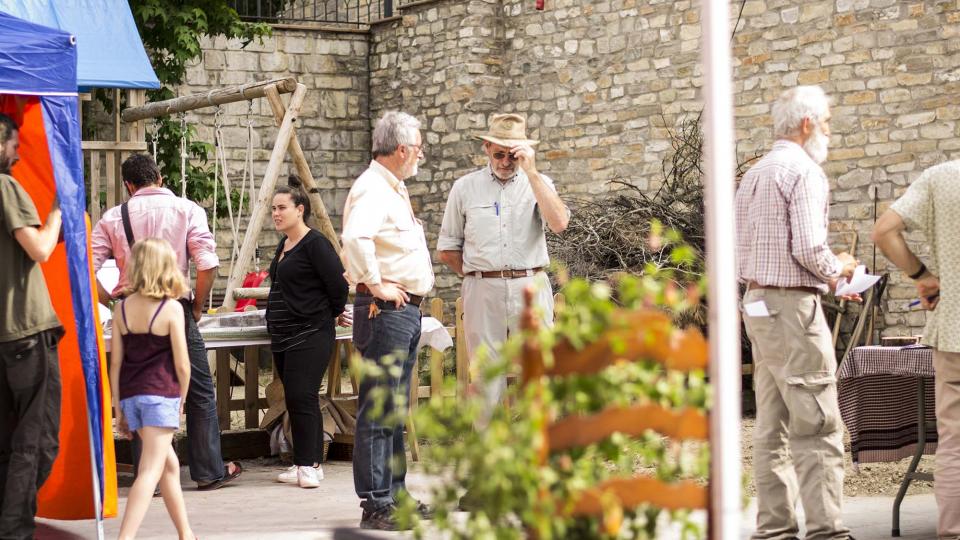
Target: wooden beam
x,y
212,98
632,492
303,171
128,146
267,187
251,293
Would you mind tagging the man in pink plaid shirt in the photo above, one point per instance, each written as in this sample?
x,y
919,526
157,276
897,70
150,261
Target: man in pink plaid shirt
x,y
785,263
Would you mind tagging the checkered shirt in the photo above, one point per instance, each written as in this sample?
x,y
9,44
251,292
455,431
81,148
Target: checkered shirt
x,y
782,207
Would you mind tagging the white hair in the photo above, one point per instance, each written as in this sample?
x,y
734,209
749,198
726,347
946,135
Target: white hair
x,y
794,105
392,130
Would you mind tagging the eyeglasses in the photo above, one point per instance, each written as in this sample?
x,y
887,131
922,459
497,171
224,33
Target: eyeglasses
x,y
420,147
498,156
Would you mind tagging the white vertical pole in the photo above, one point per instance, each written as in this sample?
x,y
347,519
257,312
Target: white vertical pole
x,y
724,316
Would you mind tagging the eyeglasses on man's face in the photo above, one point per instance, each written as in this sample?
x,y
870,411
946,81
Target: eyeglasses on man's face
x,y
499,156
419,148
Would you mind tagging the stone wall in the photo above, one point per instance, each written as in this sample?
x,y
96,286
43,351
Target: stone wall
x,y
603,82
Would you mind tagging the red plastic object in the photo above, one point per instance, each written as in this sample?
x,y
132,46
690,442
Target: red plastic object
x,y
253,279
539,5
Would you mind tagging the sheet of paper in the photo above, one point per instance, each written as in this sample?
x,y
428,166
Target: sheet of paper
x,y
756,309
859,282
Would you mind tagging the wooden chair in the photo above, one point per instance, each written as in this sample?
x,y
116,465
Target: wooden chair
x,y
644,335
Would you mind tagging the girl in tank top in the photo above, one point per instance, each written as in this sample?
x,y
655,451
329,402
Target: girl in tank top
x,y
149,375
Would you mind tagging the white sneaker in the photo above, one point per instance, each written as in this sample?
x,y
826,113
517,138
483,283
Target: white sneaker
x,y
309,477
288,476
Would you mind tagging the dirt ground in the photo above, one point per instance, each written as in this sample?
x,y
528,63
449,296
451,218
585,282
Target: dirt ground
x,y
872,479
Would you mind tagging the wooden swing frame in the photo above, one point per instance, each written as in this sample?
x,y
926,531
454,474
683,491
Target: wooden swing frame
x,y
286,117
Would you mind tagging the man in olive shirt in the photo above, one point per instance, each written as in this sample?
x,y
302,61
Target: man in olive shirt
x,y
930,205
493,235
29,334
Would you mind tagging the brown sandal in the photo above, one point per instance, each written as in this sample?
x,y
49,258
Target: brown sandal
x,y
227,477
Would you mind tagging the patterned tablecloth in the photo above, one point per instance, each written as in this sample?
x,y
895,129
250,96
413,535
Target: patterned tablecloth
x,y
877,389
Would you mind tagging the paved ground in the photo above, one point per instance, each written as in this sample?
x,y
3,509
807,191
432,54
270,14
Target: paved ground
x,y
256,507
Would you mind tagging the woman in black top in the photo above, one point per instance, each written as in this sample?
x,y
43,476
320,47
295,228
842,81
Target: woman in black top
x,y
307,294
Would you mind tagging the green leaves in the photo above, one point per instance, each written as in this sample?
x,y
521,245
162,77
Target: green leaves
x,y
492,456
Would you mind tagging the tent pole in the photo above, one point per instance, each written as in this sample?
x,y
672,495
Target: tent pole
x,y
724,317
97,508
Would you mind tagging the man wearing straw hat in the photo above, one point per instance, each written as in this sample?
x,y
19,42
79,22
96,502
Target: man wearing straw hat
x,y
493,236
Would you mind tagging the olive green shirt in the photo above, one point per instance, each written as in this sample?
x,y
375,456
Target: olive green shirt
x,y
932,204
25,307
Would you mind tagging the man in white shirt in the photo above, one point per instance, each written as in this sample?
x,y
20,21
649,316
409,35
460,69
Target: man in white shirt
x,y
386,257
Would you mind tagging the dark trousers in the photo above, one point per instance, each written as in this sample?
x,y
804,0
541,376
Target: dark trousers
x,y
29,426
301,371
203,429
379,455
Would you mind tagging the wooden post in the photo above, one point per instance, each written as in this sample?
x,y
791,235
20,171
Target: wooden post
x,y
251,386
212,98
223,388
303,170
436,357
463,360
267,187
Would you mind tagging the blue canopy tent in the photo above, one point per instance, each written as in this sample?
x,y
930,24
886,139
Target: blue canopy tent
x,y
64,46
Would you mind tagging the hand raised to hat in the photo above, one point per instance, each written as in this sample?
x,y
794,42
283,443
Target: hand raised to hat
x,y
526,157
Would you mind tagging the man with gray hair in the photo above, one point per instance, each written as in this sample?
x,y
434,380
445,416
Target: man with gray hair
x,y
386,257
784,260
493,236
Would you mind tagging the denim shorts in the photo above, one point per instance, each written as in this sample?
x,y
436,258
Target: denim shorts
x,y
152,411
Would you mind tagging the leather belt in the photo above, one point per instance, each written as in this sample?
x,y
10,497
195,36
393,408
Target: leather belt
x,y
363,290
506,274
754,285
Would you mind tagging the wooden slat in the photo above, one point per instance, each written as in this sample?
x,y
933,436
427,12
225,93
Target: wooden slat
x,y
632,492
333,372
110,158
639,335
581,430
241,404
125,146
256,293
436,357
95,210
251,389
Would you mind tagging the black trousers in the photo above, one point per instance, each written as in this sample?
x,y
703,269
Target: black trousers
x,y
29,427
301,371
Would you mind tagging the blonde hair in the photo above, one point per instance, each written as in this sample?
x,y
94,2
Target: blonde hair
x,y
152,270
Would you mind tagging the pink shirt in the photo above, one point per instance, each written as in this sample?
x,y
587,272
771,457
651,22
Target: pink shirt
x,y
782,221
156,213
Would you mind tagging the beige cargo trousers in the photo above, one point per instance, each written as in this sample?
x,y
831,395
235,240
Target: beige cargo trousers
x,y
798,437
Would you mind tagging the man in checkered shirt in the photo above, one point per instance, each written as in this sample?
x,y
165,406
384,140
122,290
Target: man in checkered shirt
x,y
930,205
785,262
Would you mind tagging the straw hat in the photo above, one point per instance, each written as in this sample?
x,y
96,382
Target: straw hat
x,y
507,130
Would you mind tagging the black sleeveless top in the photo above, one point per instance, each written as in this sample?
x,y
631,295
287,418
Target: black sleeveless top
x,y
147,368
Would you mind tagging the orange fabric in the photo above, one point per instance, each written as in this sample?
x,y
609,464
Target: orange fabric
x,y
68,492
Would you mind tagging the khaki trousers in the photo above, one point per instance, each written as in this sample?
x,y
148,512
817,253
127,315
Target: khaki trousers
x,y
797,441
491,313
946,476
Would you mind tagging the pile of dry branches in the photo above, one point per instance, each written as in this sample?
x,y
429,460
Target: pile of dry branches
x,y
610,234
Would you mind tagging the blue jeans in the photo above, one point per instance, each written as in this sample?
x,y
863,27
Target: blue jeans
x,y
379,454
203,429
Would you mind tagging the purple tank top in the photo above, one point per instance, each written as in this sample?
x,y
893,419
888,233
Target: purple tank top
x,y
147,367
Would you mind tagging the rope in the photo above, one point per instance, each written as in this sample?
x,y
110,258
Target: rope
x,y
183,155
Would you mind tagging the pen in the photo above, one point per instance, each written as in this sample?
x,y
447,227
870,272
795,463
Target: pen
x,y
496,207
929,299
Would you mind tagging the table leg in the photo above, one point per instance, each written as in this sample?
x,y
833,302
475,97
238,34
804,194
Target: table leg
x,y
921,446
223,388
251,390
